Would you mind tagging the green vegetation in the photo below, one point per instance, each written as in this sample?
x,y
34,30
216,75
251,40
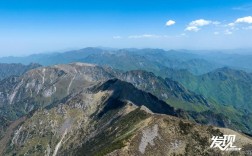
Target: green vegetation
x,y
226,86
227,90
101,122
115,135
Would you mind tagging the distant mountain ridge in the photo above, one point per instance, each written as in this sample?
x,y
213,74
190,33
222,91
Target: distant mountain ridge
x,y
15,69
124,59
153,60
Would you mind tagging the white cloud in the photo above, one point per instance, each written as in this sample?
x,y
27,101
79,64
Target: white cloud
x,y
199,23
231,24
170,22
247,19
144,36
192,28
117,37
195,25
240,22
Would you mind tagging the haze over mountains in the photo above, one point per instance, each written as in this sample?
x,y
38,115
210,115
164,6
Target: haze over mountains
x,y
154,60
113,102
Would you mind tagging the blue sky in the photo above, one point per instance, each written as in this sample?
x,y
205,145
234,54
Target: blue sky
x,y
28,26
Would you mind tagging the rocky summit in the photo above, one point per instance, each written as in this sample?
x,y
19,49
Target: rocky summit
x,y
85,109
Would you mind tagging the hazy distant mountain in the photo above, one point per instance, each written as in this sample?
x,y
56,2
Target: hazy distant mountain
x,y
14,69
238,60
124,59
154,60
79,108
53,58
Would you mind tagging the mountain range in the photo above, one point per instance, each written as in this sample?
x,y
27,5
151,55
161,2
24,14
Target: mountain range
x,y
225,85
154,60
17,69
130,102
